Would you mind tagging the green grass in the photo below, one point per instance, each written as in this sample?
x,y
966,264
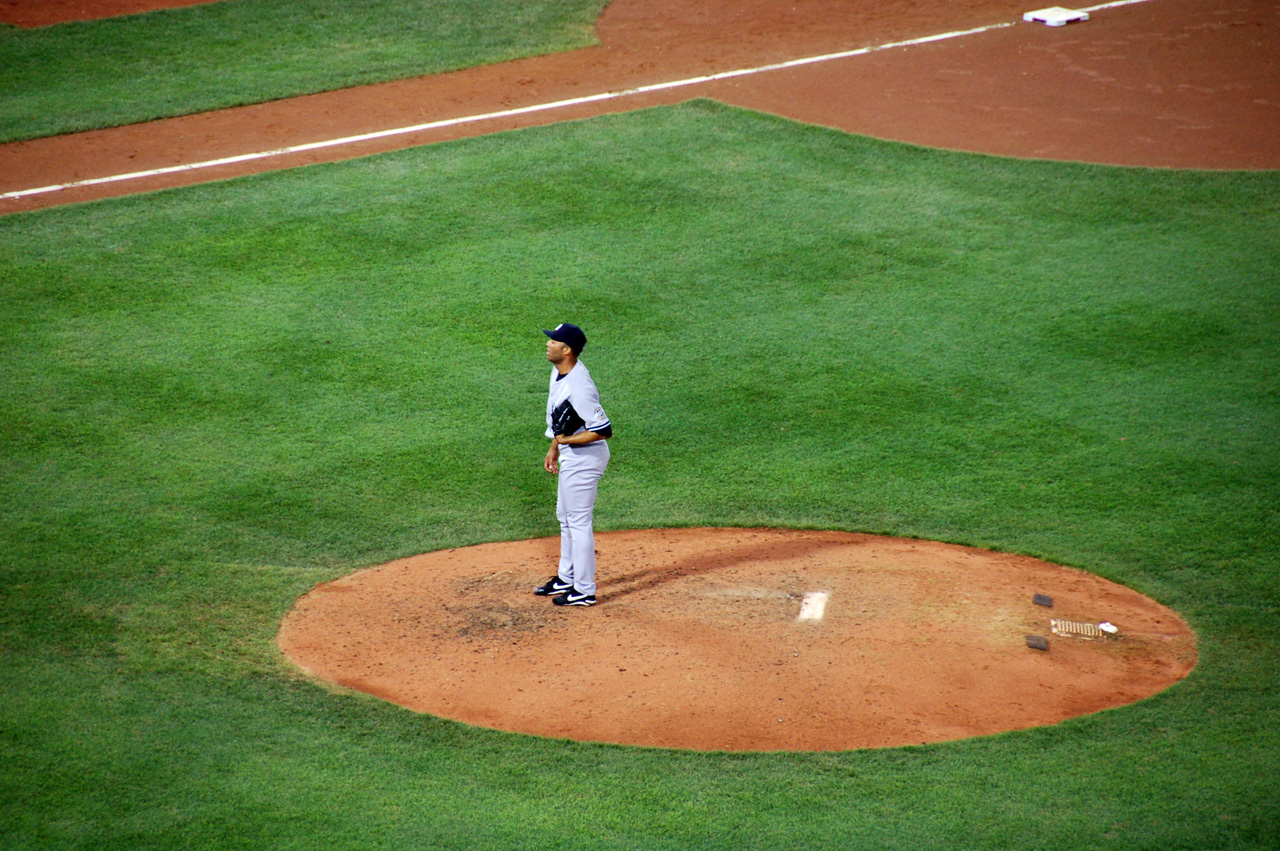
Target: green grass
x,y
180,61
217,397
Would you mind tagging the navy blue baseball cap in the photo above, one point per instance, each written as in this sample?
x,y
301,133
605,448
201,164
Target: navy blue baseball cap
x,y
569,334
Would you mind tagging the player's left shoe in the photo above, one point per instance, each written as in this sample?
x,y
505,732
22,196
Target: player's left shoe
x,y
574,598
555,585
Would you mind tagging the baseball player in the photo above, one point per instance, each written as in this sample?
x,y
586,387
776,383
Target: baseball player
x,y
579,430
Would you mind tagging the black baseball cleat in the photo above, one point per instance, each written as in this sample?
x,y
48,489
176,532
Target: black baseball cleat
x,y
575,598
554,586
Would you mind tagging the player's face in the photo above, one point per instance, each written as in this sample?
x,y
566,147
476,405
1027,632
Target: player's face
x,y
557,351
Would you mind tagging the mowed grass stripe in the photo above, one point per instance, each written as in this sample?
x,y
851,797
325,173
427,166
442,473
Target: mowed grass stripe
x,y
218,396
88,75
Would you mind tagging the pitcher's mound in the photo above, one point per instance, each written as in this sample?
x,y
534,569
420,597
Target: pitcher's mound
x,y
697,641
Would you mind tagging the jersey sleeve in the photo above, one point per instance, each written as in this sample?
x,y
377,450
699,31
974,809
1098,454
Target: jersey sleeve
x,y
586,401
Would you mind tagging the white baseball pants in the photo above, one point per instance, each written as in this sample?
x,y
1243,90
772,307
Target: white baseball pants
x,y
580,470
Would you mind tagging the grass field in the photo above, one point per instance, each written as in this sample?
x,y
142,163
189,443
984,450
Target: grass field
x,y
217,397
179,61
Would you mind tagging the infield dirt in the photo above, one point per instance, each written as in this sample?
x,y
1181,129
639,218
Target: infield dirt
x,y
696,641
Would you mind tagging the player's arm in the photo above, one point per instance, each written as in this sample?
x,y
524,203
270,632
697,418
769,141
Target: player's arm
x,y
582,438
551,463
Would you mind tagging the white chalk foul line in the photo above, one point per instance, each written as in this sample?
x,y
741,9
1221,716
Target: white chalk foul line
x,y
1111,5
511,113
488,116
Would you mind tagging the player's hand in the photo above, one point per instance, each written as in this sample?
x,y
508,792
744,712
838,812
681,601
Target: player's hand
x,y
551,462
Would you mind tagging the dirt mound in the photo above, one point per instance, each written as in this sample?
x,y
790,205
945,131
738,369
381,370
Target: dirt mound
x,y
697,641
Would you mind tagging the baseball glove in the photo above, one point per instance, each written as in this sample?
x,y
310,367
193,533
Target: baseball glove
x,y
565,420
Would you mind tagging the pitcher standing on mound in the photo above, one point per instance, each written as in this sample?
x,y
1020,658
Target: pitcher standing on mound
x,y
578,428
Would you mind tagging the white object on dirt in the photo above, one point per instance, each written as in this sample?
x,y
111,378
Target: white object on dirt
x,y
1074,629
813,606
1056,16
1108,627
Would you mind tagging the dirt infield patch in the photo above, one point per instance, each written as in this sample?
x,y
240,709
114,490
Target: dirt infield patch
x,y
44,13
697,644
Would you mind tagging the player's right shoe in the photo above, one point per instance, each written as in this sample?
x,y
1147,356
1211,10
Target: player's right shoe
x,y
553,587
575,598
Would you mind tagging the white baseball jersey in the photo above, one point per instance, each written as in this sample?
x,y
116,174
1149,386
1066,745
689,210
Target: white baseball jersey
x,y
573,404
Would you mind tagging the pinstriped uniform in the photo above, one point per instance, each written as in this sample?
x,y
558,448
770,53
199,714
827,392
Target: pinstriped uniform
x,y
580,470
